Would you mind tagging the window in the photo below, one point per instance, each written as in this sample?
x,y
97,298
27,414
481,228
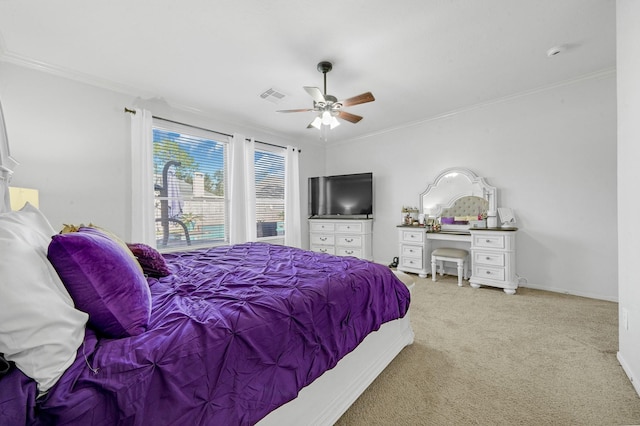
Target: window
x,y
269,183
190,175
190,181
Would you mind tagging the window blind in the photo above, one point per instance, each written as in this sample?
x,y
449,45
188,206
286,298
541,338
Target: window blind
x,y
269,184
190,181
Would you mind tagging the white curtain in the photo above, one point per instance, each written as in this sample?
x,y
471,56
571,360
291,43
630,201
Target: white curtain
x,y
242,211
142,198
250,189
292,229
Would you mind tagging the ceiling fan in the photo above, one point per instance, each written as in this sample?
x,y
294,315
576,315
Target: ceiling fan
x,y
329,107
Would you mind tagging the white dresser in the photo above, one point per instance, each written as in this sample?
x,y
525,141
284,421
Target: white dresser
x,y
343,237
493,258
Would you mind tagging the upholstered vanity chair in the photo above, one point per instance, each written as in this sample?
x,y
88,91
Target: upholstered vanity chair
x,y
444,254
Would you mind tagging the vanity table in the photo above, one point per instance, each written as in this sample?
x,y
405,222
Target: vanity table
x,y
416,245
492,249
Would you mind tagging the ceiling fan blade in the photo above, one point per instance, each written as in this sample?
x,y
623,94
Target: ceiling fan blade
x,y
349,117
357,100
315,93
295,110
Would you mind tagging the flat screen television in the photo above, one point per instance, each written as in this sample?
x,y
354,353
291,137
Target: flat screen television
x,y
341,195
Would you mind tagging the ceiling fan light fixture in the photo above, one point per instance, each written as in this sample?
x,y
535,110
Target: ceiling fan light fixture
x,y
328,107
326,118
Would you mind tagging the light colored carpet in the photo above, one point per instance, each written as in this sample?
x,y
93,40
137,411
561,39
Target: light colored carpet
x,y
482,357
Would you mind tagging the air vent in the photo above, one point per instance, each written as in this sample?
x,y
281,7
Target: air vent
x,y
272,95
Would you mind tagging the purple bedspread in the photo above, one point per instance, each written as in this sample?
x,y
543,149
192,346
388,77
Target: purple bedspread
x,y
235,332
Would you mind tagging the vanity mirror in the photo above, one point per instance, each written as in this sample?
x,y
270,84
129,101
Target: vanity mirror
x,y
459,192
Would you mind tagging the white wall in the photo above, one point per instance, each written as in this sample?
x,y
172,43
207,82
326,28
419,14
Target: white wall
x,y
72,142
628,59
552,156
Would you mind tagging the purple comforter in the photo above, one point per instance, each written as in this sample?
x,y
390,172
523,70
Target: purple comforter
x,y
235,332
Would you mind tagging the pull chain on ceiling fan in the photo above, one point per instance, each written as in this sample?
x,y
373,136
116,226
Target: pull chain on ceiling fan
x,y
328,107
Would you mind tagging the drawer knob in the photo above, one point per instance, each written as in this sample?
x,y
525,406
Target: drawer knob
x,y
488,241
488,272
349,251
323,238
487,258
349,240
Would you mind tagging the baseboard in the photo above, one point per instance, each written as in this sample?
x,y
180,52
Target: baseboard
x,y
627,371
547,288
572,293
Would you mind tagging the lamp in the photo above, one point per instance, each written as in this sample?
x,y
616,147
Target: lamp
x,y
325,119
20,197
317,123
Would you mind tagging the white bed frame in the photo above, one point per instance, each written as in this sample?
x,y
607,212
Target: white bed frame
x,y
330,395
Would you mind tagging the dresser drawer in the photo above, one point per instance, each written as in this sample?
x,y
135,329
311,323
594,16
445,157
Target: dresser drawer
x,y
412,262
345,251
322,239
413,236
349,240
341,237
489,258
323,249
349,227
489,241
488,273
322,226
412,251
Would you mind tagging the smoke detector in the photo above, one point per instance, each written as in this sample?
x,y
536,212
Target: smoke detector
x,y
555,50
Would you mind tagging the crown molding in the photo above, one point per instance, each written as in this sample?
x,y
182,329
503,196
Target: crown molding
x,y
606,73
24,61
91,80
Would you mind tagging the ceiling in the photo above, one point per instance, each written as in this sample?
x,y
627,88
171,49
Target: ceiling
x,y
420,58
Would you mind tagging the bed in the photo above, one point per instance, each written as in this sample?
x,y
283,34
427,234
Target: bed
x,y
245,334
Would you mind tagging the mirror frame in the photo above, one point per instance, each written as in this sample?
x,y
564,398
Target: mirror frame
x,y
490,193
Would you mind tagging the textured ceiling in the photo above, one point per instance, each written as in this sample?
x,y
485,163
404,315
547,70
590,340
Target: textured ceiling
x,y
420,58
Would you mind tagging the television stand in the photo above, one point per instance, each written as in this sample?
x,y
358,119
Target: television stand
x,y
342,236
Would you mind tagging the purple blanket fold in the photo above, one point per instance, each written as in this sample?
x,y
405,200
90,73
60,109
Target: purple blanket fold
x,y
235,332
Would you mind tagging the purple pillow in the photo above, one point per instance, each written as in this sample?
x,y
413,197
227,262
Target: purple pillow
x,y
103,281
152,262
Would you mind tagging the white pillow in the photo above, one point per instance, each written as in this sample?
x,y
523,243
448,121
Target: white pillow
x,y
40,330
